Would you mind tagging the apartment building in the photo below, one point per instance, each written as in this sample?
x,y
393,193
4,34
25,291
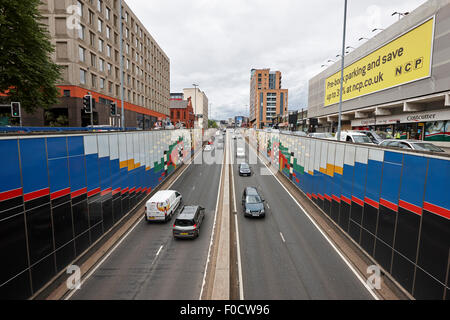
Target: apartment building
x,y
86,35
200,104
268,101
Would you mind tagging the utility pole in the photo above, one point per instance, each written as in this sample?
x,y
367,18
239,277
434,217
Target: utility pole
x,y
122,115
342,73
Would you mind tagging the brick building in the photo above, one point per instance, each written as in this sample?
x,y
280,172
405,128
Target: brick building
x,y
181,111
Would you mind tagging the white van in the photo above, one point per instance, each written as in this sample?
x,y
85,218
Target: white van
x,y
163,205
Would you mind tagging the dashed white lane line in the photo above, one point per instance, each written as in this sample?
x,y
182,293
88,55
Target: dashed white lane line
x,y
282,237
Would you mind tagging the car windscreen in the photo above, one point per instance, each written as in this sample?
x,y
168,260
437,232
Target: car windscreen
x,y
184,222
244,166
361,139
426,147
384,135
253,199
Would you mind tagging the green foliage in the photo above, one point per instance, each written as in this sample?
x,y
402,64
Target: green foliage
x,y
27,72
212,124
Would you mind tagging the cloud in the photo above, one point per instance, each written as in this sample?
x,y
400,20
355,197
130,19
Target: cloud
x,y
216,43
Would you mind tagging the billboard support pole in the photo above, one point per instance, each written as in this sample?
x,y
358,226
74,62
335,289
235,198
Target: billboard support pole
x,y
342,72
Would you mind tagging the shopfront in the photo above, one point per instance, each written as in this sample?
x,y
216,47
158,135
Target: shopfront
x,y
428,125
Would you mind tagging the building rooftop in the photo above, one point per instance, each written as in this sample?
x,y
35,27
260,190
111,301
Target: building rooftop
x,y
178,104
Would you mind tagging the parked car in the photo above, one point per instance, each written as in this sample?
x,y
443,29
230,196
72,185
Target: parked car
x,y
411,145
355,137
253,203
162,205
245,170
208,148
299,133
377,136
189,222
322,135
240,153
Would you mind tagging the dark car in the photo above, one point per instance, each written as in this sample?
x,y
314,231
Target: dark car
x,y
244,170
188,223
252,203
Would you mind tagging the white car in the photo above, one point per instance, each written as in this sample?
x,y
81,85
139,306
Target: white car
x,y
355,137
209,147
240,153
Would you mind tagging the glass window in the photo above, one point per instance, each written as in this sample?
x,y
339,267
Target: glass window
x,y
100,25
82,76
100,45
108,13
99,5
81,51
102,83
81,32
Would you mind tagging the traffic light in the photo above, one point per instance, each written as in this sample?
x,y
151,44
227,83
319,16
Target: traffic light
x,y
113,109
15,109
87,103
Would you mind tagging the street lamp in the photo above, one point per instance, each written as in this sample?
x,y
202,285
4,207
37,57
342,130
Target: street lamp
x,y
342,72
400,14
349,47
377,29
363,39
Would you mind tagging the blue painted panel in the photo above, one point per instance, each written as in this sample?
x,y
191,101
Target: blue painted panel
x,y
374,173
75,146
347,181
105,174
123,178
59,174
34,164
337,185
77,170
392,172
9,165
92,172
437,191
359,180
115,173
56,147
413,179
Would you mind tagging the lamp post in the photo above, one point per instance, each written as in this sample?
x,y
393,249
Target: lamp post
x,y
377,29
342,72
363,39
400,14
121,67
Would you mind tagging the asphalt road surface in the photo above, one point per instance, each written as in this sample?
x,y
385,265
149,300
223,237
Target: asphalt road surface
x,y
149,263
283,255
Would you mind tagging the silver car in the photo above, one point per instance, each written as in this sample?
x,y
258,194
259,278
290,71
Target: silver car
x,y
411,145
188,223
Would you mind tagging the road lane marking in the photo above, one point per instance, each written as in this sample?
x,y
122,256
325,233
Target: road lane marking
x,y
282,238
159,250
323,234
125,236
213,232
241,283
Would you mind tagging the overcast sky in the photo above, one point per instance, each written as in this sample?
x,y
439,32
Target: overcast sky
x,y
216,43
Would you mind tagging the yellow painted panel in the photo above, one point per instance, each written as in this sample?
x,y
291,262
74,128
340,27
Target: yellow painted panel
x,y
330,169
123,164
403,60
339,170
311,172
324,171
130,164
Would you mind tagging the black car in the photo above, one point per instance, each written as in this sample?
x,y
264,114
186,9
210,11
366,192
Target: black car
x,y
244,170
252,203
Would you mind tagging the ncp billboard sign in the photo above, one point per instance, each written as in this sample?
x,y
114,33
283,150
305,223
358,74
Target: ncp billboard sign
x,y
405,59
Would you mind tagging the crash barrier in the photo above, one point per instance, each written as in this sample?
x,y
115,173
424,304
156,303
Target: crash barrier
x,y
395,204
59,194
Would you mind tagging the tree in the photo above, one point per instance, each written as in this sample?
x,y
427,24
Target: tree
x,y
27,72
212,124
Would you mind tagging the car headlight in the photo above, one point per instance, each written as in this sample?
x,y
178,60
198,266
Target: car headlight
x,y
247,210
262,211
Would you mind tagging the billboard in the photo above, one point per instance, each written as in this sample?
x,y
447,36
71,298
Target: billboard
x,y
403,60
